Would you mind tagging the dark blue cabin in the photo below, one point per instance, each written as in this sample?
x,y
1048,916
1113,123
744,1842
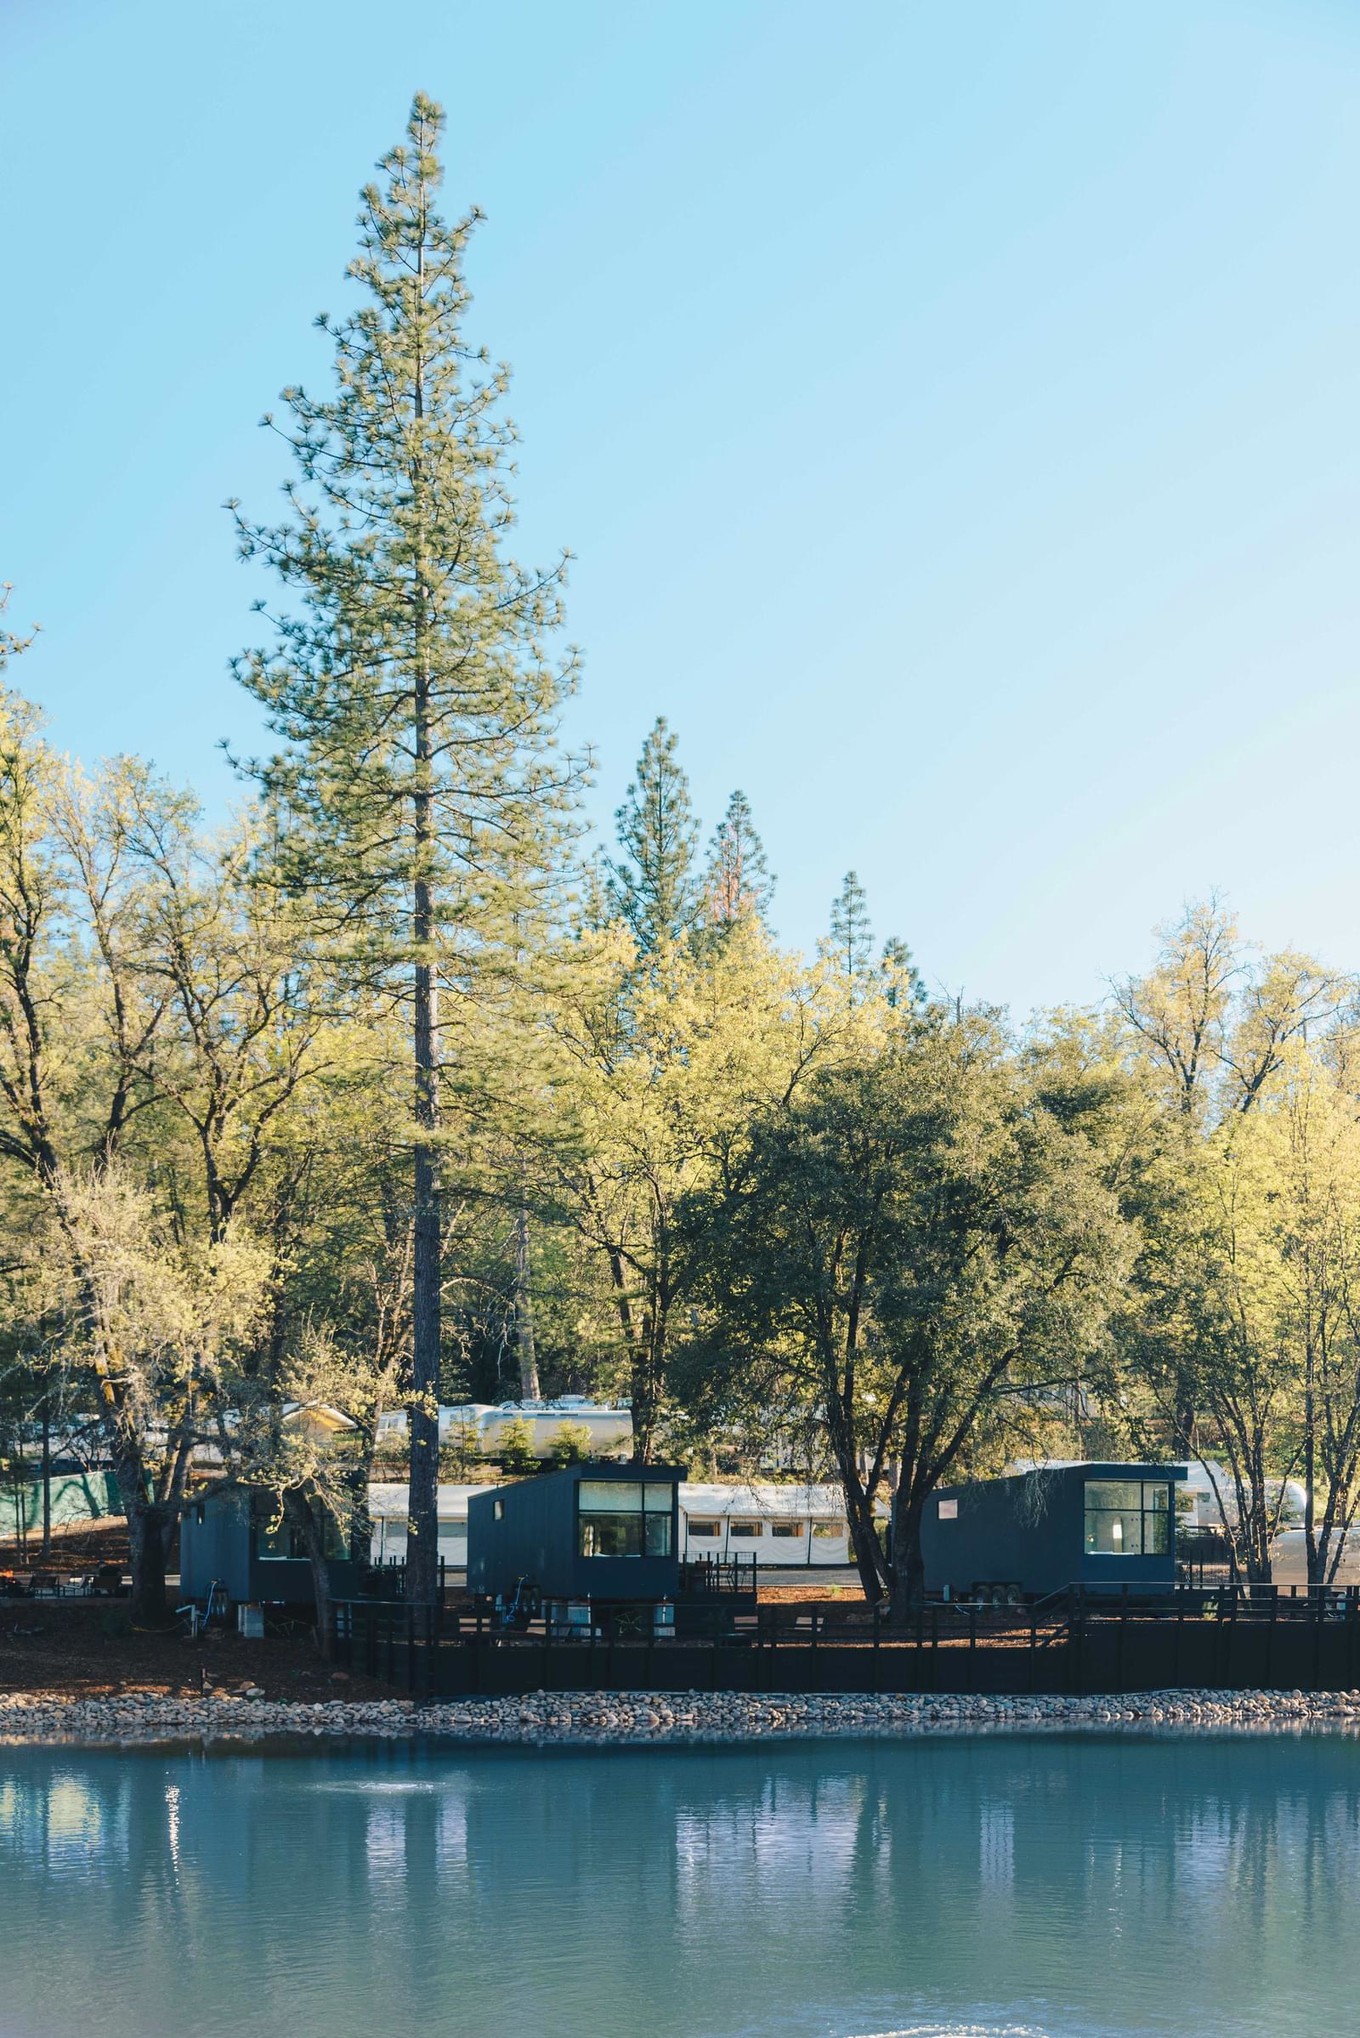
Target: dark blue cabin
x,y
1097,1525
585,1538
230,1535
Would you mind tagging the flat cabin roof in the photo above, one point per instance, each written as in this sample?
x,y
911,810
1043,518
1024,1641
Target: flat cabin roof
x,y
393,1502
1090,1468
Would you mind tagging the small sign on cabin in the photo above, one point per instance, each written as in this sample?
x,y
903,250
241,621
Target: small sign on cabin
x,y
949,1510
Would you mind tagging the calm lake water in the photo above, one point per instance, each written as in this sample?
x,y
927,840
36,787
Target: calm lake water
x,y
1036,1885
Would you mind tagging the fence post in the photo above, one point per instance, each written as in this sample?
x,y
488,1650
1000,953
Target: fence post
x,y
875,1678
1270,1638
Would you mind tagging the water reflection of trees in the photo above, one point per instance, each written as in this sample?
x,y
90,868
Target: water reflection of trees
x,y
692,1887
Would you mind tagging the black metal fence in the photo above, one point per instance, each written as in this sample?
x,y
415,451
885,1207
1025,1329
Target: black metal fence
x,y
388,1640
1263,1638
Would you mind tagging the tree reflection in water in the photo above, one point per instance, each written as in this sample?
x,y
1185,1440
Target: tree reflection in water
x,y
1072,1885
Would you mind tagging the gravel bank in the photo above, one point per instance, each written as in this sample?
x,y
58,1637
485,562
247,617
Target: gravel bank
x,y
649,1719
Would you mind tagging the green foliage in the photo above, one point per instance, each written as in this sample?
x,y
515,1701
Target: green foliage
x,y
10,645
412,692
737,880
570,1444
852,938
418,796
460,1454
373,1097
653,886
515,1448
921,1249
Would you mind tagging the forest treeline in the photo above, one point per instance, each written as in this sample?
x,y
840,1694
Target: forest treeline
x,y
397,1089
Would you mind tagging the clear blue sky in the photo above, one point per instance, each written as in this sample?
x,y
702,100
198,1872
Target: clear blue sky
x,y
953,409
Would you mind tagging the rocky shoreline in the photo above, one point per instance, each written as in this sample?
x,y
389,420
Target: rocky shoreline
x,y
641,1719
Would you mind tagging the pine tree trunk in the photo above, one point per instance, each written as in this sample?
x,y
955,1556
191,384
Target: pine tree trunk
x,y
422,1535
422,1545
46,1480
646,1377
1316,1558
524,1311
361,1520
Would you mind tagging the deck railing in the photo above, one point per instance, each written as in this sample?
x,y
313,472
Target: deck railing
x,y
1282,1639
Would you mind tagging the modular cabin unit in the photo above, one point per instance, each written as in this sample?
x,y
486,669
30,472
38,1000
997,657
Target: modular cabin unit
x,y
229,1537
588,1538
1104,1526
765,1523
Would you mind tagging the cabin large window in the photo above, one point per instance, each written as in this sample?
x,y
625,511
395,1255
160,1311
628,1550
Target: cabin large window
x,y
623,1518
1128,1518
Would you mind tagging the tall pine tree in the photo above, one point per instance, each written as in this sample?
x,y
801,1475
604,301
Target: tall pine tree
x,y
852,938
653,884
413,692
904,986
737,880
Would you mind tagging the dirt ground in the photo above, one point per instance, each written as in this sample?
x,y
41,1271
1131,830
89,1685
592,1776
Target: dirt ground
x,y
76,1546
778,1592
88,1648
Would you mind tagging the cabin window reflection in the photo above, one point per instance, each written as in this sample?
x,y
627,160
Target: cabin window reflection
x,y
283,1541
623,1518
1128,1518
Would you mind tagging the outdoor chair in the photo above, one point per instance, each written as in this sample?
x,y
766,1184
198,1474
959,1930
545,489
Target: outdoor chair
x,y
46,1585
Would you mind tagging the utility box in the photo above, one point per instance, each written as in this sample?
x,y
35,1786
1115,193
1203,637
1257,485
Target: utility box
x,y
1099,1525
